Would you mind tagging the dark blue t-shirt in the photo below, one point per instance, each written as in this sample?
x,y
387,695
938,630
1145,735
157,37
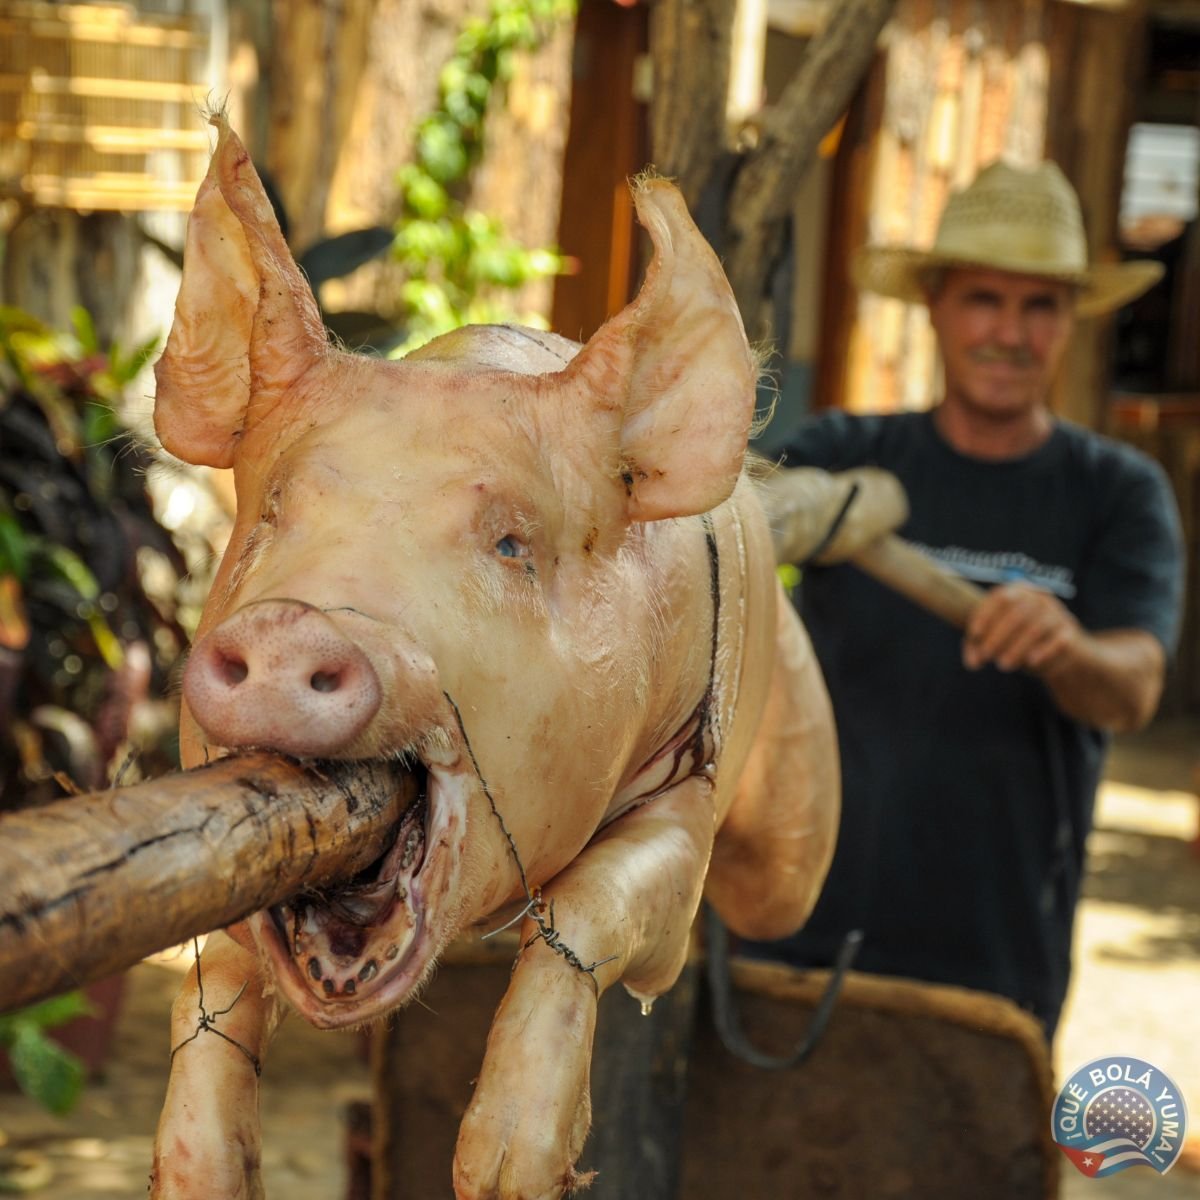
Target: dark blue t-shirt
x,y
967,795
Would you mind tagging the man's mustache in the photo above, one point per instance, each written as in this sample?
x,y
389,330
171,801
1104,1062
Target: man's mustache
x,y
1009,355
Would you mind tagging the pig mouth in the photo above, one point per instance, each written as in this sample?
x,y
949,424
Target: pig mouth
x,y
343,954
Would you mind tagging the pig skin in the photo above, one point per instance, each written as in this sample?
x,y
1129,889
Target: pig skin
x,y
554,586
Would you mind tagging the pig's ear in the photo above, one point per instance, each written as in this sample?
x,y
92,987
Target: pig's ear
x,y
246,324
674,371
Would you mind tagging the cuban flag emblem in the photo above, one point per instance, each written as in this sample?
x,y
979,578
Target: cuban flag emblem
x,y
1119,1112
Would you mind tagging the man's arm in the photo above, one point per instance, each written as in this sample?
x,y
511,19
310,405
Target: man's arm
x,y
1111,679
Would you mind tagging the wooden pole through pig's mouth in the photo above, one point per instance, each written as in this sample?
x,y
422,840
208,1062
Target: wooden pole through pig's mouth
x,y
91,884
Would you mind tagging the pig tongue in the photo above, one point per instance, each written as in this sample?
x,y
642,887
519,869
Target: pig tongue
x,y
363,905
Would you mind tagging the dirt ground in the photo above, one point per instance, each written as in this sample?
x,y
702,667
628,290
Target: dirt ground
x,y
1136,992
1136,986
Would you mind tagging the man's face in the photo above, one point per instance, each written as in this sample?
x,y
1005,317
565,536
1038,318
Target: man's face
x,y
1002,337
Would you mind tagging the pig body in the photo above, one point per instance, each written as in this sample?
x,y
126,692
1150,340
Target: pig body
x,y
535,572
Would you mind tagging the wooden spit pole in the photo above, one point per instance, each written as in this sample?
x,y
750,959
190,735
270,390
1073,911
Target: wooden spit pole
x,y
91,884
815,515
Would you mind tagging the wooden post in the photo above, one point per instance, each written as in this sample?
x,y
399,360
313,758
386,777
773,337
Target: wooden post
x,y
426,1059
639,1087
1096,65
91,884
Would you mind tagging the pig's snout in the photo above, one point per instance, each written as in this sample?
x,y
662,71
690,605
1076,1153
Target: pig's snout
x,y
280,674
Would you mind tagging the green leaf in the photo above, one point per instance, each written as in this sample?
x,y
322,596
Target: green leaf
x,y
544,262
17,320
440,149
44,1070
125,370
41,347
479,88
423,195
85,331
14,547
428,301
46,1014
419,244
459,264
501,265
100,425
460,105
106,641
70,567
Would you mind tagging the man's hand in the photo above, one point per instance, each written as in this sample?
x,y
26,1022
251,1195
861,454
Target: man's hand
x,y
1111,680
1019,627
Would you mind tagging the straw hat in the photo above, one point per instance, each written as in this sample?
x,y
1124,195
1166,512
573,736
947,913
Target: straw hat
x,y
1008,219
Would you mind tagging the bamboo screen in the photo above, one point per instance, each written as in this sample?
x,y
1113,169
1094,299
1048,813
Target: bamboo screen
x,y
99,106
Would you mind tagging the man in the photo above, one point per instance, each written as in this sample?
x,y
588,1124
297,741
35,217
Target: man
x,y
970,764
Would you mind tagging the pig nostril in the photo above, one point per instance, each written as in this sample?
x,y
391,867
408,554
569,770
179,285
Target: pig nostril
x,y
324,681
233,670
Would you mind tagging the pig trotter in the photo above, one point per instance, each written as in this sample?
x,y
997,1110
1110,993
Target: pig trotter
x,y
522,1144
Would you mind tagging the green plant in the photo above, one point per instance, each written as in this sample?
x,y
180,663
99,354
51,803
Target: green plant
x,y
461,266
84,641
42,1068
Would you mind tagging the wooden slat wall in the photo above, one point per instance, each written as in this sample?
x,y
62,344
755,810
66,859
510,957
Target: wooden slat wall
x,y
98,106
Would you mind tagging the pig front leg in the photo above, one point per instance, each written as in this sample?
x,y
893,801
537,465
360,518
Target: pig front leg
x,y
774,847
632,895
208,1141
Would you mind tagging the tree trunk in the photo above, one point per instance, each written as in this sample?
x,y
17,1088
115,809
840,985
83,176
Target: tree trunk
x,y
690,45
57,259
94,883
833,67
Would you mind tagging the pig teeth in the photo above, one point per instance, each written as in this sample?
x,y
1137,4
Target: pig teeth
x,y
412,843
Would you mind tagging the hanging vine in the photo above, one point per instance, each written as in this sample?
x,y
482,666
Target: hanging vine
x,y
461,266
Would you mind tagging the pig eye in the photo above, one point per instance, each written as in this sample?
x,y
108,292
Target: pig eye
x,y
511,546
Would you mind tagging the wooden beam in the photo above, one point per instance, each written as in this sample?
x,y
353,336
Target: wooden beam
x,y
127,33
92,884
104,89
104,139
833,68
690,44
798,18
